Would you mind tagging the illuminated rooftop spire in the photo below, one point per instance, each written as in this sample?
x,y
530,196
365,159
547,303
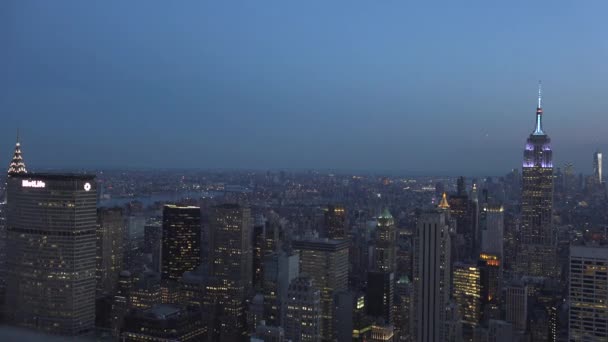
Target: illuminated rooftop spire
x,y
538,130
540,95
17,165
444,202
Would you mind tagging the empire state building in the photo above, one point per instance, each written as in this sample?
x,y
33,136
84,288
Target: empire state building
x,y
537,253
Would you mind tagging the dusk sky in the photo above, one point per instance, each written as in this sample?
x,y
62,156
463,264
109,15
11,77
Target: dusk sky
x,y
435,87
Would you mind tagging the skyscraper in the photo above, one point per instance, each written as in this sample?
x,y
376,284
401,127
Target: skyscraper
x,y
335,222
110,232
516,306
386,236
153,232
467,291
181,240
588,287
597,167
464,211
431,276
17,166
380,280
326,262
231,267
537,253
492,235
303,317
51,252
231,251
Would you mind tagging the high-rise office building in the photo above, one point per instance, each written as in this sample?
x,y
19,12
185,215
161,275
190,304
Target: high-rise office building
x,y
326,262
464,211
51,225
110,233
402,308
516,306
279,270
491,277
16,166
303,317
431,276
381,279
153,231
231,251
537,253
120,302
597,167
231,268
181,240
492,235
380,295
259,243
588,287
133,241
335,222
384,249
467,293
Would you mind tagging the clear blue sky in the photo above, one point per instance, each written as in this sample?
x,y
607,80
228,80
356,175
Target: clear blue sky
x,y
443,87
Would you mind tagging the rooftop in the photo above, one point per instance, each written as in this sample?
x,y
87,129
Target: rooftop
x,y
54,176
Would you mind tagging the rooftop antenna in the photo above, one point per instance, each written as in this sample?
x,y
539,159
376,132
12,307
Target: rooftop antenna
x,y
540,94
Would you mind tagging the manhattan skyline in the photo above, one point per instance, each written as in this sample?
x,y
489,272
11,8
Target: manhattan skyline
x,y
395,87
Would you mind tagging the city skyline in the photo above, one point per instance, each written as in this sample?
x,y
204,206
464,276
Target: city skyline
x,y
258,87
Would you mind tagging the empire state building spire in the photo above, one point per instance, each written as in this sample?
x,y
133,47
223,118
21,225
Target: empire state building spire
x,y
539,113
17,165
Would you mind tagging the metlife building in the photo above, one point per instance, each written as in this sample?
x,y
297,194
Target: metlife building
x,y
51,222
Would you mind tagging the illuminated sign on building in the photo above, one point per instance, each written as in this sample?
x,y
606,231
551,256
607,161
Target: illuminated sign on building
x,y
87,186
32,184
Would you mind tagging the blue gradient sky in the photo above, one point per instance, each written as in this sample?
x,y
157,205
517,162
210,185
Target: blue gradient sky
x,y
441,87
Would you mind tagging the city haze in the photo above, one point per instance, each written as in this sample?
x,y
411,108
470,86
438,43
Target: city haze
x,y
340,85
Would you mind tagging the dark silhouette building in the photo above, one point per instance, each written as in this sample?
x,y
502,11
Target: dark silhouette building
x,y
110,233
335,222
231,270
181,240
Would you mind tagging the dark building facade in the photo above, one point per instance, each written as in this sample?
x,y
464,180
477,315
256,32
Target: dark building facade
x,y
231,269
110,233
335,222
51,226
380,280
181,240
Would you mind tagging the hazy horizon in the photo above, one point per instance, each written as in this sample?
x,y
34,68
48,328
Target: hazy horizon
x,y
347,86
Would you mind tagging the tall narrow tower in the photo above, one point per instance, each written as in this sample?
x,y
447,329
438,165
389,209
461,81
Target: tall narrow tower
x,y
537,254
381,279
597,167
431,276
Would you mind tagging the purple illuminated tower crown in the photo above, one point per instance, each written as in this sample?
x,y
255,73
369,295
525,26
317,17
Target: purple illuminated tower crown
x,y
538,146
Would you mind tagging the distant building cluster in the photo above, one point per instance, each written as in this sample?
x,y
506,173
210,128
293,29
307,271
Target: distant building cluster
x,y
308,256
